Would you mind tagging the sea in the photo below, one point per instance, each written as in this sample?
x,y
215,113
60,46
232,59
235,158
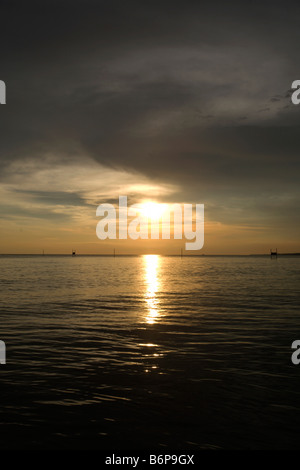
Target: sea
x,y
149,352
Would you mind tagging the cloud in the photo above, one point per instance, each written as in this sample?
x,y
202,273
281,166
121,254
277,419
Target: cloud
x,y
180,100
67,193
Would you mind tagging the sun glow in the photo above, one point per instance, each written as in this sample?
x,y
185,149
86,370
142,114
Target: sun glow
x,y
153,210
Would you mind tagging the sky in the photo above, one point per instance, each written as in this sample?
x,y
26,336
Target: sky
x,y
174,102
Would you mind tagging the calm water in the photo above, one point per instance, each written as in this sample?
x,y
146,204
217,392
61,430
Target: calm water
x,y
149,352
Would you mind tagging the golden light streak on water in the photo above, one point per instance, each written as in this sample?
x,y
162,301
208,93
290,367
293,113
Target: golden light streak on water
x,y
152,263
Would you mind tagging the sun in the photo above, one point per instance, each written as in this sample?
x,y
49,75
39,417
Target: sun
x,y
152,210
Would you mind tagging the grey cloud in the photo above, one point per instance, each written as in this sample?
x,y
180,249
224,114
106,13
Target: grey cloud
x,y
192,93
53,197
13,212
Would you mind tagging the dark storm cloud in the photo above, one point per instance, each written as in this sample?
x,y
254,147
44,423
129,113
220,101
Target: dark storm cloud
x,y
192,93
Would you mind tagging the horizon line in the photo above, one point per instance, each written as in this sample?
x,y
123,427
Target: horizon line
x,y
144,254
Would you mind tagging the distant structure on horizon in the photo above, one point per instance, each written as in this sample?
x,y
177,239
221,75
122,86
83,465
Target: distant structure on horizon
x,y
273,253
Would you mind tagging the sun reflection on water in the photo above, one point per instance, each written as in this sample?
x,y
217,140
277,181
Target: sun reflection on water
x,y
152,263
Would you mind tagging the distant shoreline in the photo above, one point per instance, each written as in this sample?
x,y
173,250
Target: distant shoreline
x,y
118,255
